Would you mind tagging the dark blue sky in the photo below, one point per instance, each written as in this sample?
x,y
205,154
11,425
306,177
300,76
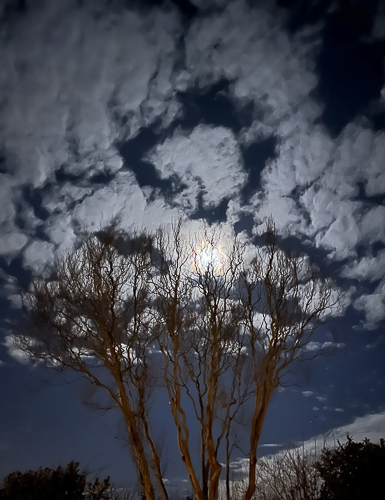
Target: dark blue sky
x,y
215,110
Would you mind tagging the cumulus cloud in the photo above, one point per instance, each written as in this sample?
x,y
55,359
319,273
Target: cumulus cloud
x,y
38,256
9,284
369,268
14,352
338,219
325,176
311,186
69,76
248,45
207,159
74,92
373,305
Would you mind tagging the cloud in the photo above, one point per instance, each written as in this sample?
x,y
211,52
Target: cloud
x,y
322,346
123,198
371,426
207,159
342,222
368,268
311,186
38,256
331,408
19,355
69,78
248,45
11,241
373,306
73,93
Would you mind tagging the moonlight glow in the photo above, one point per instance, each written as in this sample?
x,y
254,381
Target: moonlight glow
x,y
209,257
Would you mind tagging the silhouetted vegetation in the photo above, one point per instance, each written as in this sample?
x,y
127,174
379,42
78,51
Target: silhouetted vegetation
x,y
353,471
63,483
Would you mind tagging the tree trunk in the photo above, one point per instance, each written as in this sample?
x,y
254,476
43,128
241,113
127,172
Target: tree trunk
x,y
261,405
204,464
136,443
227,467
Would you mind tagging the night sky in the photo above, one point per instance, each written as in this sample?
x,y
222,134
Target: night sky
x,y
213,110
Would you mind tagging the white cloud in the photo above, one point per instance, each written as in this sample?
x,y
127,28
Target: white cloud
x,y
322,346
343,235
339,221
124,199
368,268
332,408
373,306
371,426
9,286
70,74
248,45
12,241
373,225
39,256
66,88
67,71
208,156
14,352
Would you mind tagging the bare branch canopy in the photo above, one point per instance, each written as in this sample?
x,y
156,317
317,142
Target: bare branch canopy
x,y
212,320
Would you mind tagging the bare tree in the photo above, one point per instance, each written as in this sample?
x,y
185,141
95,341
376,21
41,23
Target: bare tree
x,y
200,332
226,327
289,475
219,317
292,300
93,317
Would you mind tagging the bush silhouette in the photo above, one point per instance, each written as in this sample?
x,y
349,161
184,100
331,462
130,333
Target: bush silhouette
x,y
53,484
353,471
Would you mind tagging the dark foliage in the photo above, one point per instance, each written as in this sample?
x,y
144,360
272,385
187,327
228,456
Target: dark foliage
x,y
353,471
54,484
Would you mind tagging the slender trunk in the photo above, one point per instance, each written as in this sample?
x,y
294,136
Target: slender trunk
x,y
227,467
215,471
140,457
261,405
174,392
183,445
136,443
204,464
158,472
154,456
215,466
